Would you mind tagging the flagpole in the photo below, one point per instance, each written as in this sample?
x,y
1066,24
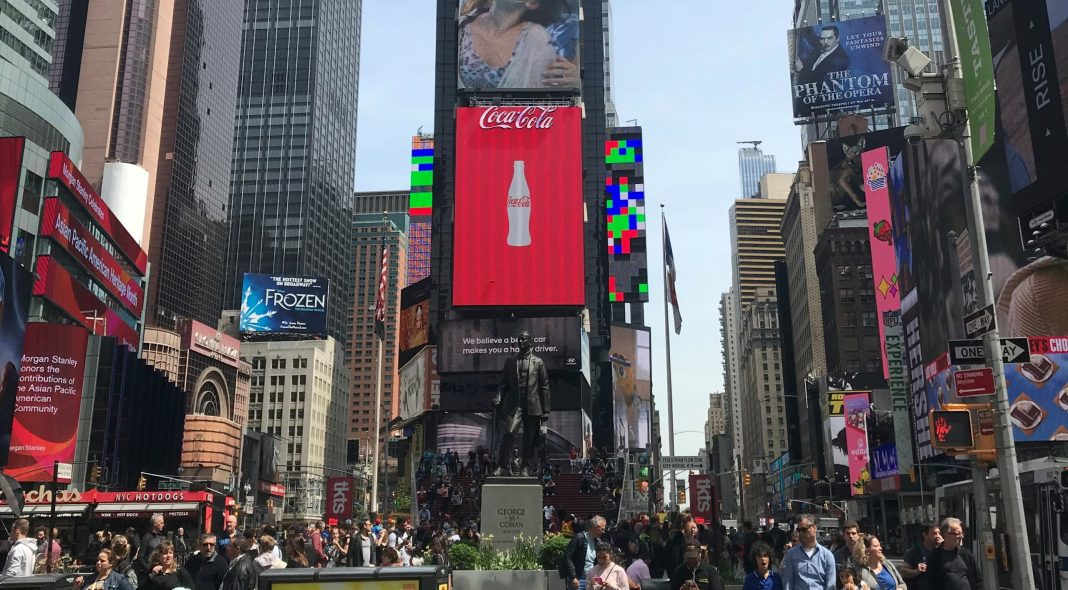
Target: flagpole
x,y
380,332
667,350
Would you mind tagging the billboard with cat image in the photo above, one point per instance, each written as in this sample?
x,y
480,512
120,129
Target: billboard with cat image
x,y
843,164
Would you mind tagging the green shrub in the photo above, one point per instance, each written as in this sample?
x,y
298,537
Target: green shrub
x,y
552,550
463,557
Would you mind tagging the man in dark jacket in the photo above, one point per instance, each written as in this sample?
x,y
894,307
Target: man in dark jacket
x,y
207,566
243,573
362,547
523,403
151,540
580,555
951,566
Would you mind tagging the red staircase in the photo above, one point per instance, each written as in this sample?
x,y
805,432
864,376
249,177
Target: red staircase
x,y
571,500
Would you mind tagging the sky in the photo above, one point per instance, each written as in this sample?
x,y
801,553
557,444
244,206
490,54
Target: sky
x,y
698,76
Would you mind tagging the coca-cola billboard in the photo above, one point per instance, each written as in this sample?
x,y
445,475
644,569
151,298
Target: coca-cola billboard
x,y
519,211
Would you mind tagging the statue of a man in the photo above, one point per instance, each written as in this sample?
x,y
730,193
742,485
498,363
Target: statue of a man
x,y
523,405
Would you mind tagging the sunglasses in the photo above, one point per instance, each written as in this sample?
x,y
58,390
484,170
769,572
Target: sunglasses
x,y
804,529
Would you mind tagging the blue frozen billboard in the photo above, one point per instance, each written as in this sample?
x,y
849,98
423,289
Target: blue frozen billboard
x,y
283,305
838,67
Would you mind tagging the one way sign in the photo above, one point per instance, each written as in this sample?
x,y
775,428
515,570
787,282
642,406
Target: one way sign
x,y
1015,350
966,352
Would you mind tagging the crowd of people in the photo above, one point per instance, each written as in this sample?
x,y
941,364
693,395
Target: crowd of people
x,y
600,555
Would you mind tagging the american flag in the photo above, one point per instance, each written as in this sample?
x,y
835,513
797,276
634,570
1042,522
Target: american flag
x,y
669,261
380,304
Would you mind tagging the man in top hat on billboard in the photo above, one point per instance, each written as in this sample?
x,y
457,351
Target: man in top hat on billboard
x,y
523,405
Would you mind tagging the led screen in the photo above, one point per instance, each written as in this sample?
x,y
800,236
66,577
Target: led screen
x,y
45,427
519,210
518,44
838,67
283,305
11,149
631,387
628,262
478,346
15,292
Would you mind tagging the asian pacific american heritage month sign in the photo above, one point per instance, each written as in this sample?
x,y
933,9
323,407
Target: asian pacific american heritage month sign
x,y
45,427
856,408
838,67
519,208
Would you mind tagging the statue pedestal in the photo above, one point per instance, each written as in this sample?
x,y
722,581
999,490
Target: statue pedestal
x,y
511,506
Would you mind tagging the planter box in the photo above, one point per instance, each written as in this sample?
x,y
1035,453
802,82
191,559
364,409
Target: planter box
x,y
506,580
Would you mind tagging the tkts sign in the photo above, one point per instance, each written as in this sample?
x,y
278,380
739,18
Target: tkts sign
x,y
339,498
703,497
517,118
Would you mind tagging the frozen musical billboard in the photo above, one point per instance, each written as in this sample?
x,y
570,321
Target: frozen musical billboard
x,y
519,210
838,67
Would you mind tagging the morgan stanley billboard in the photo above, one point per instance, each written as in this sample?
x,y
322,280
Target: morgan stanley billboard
x,y
283,305
839,68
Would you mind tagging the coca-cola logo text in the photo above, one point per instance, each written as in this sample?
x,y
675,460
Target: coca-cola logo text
x,y
517,118
519,202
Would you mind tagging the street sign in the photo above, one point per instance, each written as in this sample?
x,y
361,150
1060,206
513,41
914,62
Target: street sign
x,y
1015,350
979,322
695,463
974,382
966,352
64,472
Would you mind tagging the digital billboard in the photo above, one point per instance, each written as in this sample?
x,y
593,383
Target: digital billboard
x,y
11,150
482,346
414,322
529,45
631,387
420,208
420,385
58,223
839,68
1038,390
1029,42
846,175
283,305
55,283
62,169
628,260
14,302
45,427
856,406
834,429
519,208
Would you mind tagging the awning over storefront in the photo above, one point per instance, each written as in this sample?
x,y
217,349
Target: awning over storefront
x,y
142,509
46,509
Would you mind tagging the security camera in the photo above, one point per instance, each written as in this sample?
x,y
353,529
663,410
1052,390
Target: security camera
x,y
913,133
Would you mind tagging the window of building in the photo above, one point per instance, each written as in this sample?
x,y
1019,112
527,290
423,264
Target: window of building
x,y
846,295
849,319
868,319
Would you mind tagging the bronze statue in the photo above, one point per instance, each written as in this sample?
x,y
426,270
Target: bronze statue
x,y
522,404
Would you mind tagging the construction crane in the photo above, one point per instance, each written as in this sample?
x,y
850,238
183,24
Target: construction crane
x,y
754,142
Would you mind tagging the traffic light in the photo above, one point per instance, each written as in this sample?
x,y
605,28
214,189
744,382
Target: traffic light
x,y
141,483
680,496
747,478
94,473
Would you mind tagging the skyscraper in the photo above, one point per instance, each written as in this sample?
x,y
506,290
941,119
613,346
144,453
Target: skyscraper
x,y
295,135
370,232
192,183
752,164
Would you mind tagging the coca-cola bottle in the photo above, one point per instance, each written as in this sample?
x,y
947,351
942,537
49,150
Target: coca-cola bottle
x,y
518,207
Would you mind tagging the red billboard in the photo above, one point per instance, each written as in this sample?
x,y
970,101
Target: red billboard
x,y
45,428
62,169
519,210
703,497
58,223
11,149
54,283
339,492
